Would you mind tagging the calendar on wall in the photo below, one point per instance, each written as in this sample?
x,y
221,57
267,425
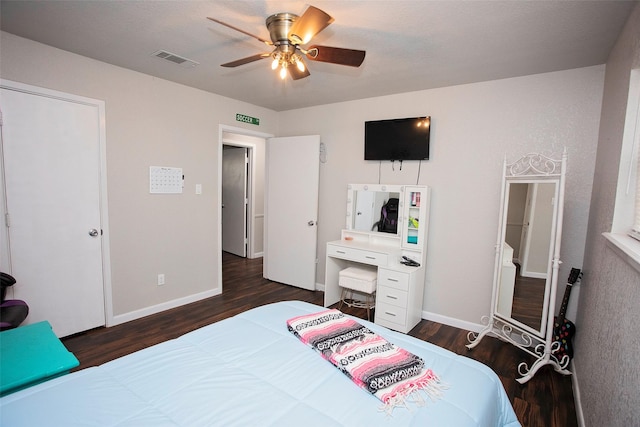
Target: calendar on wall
x,y
165,180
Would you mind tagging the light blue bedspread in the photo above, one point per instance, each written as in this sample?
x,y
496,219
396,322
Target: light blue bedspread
x,y
249,370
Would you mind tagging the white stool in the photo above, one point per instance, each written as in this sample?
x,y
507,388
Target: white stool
x,y
362,280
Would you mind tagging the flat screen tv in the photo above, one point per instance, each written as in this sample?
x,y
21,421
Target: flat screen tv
x,y
397,139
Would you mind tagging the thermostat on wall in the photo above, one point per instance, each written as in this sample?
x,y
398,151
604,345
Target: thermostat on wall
x,y
165,180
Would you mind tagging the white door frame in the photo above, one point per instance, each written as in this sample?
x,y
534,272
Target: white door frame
x,y
104,211
252,179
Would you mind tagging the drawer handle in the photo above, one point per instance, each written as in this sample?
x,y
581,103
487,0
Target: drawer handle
x,y
341,252
370,257
390,314
391,297
391,279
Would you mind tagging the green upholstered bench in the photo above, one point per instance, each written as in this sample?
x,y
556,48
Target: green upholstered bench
x,y
31,354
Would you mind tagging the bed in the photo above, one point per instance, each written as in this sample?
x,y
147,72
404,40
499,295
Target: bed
x,y
249,370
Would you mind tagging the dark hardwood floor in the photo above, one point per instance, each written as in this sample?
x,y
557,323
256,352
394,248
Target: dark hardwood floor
x,y
528,299
545,401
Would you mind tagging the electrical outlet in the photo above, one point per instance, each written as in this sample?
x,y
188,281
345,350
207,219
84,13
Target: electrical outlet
x,y
160,279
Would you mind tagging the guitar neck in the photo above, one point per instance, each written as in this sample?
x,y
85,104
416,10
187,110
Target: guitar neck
x,y
565,302
573,278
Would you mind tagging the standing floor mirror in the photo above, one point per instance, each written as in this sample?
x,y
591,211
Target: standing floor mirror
x,y
527,261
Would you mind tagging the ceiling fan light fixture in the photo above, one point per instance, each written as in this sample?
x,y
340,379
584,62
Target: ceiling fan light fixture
x,y
299,63
288,32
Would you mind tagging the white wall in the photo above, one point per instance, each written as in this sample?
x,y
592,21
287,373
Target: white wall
x,y
607,338
155,122
472,128
149,122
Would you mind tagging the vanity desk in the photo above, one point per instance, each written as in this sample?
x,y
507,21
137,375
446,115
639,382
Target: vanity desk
x,y
400,288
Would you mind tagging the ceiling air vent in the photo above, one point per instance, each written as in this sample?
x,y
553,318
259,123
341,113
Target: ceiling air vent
x,y
176,59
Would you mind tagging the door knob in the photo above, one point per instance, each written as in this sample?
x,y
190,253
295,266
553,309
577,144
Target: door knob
x,y
311,223
93,232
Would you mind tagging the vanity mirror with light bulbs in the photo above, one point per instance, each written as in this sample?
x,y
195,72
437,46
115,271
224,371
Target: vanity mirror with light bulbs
x,y
527,261
400,287
364,204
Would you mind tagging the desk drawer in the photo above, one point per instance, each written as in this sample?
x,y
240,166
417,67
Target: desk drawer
x,y
393,279
391,313
359,255
392,296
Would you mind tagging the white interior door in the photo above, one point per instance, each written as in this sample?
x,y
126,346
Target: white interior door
x,y
52,177
291,210
526,223
234,200
365,205
537,262
538,249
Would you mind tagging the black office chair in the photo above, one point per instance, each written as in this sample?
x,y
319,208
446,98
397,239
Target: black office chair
x,y
13,311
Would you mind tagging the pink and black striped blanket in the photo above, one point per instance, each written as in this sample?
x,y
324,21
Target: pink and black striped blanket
x,y
392,374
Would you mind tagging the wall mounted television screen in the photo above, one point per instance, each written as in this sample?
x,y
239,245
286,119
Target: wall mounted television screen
x,y
397,139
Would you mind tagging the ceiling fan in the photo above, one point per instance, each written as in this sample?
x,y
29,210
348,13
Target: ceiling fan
x,y
288,32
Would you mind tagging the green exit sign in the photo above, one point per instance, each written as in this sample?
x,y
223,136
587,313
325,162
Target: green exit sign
x,y
247,119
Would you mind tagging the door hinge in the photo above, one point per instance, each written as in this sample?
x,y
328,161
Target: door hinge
x,y
7,220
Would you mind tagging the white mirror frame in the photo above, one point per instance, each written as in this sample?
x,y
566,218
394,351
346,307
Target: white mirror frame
x,y
539,344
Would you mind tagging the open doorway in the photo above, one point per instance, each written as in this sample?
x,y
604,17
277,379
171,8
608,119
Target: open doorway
x,y
236,175
245,231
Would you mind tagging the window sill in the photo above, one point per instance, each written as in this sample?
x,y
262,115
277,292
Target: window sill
x,y
626,247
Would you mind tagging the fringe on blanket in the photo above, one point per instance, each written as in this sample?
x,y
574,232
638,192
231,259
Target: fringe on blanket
x,y
417,394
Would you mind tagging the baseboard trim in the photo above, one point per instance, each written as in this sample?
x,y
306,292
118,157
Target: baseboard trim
x,y
434,317
147,311
451,321
576,395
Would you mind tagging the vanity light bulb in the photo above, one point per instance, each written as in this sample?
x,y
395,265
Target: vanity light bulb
x,y
283,73
300,65
274,64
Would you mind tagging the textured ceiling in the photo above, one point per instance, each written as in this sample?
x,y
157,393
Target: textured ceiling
x,y
411,45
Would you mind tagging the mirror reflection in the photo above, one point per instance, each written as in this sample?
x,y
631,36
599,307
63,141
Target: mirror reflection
x,y
369,204
525,268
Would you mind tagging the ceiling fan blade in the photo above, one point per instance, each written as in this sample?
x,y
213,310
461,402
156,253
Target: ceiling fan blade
x,y
336,55
296,74
312,21
246,60
265,41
